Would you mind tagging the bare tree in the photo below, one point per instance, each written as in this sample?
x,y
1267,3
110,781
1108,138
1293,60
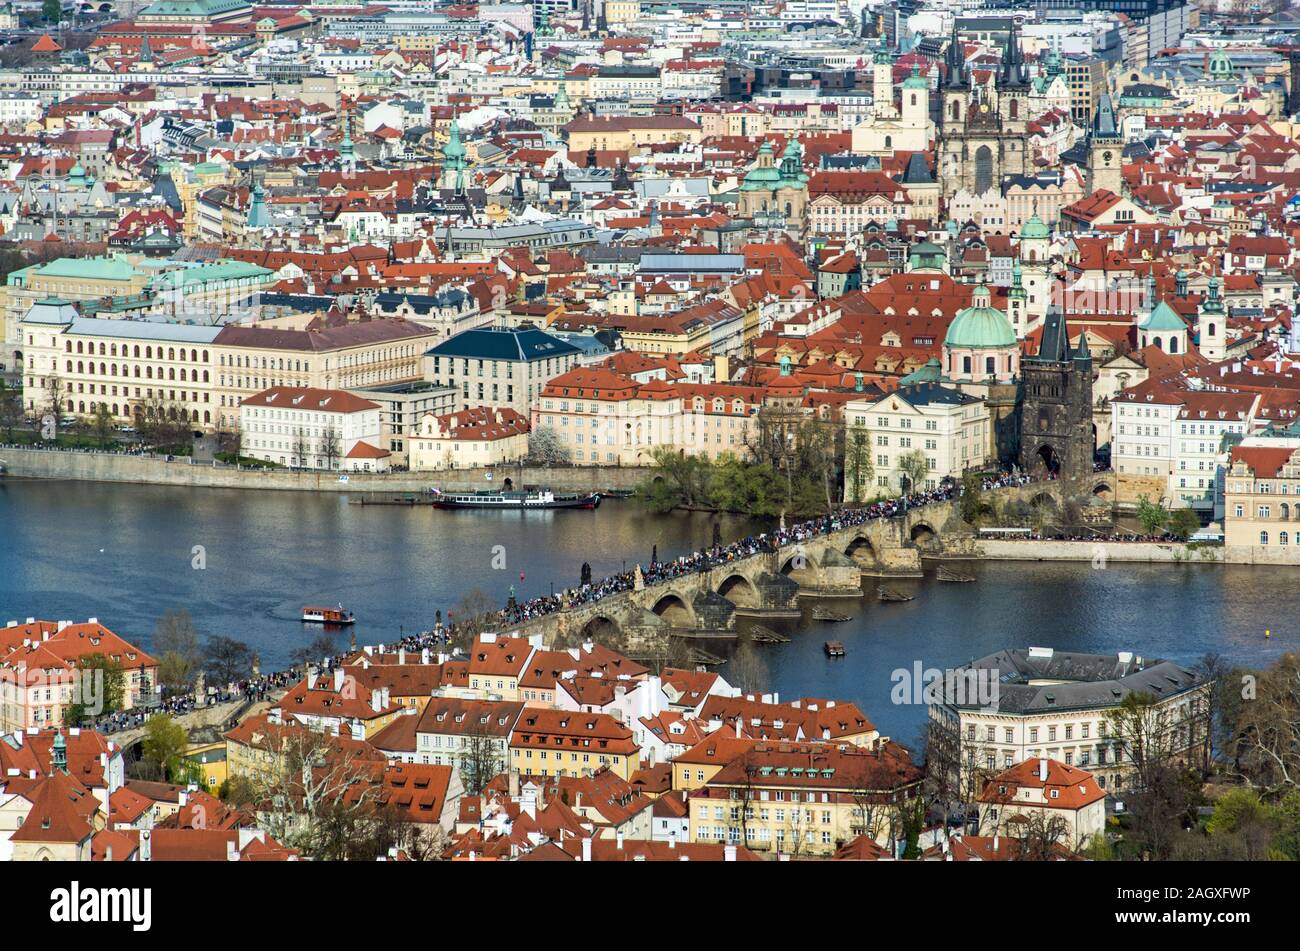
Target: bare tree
x,y
55,393
176,641
1039,836
1266,741
317,793
329,447
748,669
299,454
481,760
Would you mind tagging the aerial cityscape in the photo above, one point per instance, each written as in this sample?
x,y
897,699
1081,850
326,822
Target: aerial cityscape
x,y
809,431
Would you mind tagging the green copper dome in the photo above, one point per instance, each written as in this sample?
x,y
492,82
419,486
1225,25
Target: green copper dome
x,y
981,326
764,175
1034,228
1163,317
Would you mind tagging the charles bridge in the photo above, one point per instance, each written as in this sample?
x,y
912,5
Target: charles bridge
x,y
769,584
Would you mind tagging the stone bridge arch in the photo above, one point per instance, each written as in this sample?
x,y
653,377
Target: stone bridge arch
x,y
739,590
1044,501
862,551
924,535
601,628
675,609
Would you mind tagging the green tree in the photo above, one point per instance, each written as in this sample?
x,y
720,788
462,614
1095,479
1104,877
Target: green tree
x,y
1152,516
102,424
11,409
914,467
100,689
165,742
1183,524
972,503
51,11
1098,848
676,480
859,471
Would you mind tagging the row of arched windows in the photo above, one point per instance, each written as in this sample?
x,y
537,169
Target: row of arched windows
x,y
190,376
111,350
119,409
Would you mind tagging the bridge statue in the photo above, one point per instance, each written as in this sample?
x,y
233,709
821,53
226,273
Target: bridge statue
x,y
200,689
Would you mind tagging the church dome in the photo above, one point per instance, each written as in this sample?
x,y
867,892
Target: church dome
x,y
1162,318
763,175
1034,228
980,326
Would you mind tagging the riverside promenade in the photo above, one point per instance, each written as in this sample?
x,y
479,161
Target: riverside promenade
x,y
92,466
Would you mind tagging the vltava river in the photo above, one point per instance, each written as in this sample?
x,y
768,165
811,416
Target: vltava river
x,y
125,554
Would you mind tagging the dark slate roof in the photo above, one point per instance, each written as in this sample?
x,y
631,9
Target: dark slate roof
x,y
1104,125
452,297
929,394
1082,681
491,343
918,171
1055,344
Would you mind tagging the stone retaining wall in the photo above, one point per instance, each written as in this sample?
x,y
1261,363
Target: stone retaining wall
x,y
114,467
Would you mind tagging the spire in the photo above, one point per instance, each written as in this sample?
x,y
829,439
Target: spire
x,y
956,60
453,156
1017,289
1082,353
1213,303
1012,60
1104,125
59,754
1054,347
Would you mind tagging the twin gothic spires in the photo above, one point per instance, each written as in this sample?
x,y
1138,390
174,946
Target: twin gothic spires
x,y
1012,72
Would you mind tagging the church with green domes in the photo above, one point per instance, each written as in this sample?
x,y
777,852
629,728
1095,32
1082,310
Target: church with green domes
x,y
776,190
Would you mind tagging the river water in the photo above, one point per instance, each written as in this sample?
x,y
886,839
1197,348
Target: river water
x,y
245,562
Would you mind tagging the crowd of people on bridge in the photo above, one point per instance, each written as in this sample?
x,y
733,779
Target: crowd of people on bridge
x,y
517,612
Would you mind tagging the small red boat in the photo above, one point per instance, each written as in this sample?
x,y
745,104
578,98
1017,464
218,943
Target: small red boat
x,y
328,615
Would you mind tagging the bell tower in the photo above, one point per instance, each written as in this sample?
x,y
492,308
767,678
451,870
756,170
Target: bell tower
x,y
1105,150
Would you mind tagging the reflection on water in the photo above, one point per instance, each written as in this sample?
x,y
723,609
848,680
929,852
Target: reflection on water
x,y
124,554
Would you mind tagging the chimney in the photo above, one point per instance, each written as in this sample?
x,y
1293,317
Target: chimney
x,y
728,853
401,655
232,851
672,839
995,843
108,854
586,848
338,679
1042,769
737,727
